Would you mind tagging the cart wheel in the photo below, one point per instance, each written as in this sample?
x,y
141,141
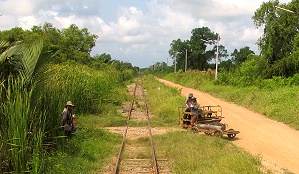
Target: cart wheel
x,y
218,133
231,135
194,130
207,133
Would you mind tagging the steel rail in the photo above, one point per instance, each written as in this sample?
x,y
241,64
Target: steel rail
x,y
150,134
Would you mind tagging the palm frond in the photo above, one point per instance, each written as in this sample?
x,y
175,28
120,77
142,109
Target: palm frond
x,y
8,50
31,55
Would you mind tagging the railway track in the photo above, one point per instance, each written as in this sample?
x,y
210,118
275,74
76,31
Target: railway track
x,y
138,155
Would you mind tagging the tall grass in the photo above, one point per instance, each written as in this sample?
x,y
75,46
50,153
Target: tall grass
x,y
16,116
20,134
87,88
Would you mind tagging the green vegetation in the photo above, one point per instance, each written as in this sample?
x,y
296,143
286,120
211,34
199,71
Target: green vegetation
x,y
161,102
198,153
21,128
279,43
87,151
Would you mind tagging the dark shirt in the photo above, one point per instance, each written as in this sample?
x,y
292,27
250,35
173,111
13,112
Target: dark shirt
x,y
67,119
194,108
188,102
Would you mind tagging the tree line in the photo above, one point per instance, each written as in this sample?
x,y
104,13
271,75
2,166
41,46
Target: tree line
x,y
67,44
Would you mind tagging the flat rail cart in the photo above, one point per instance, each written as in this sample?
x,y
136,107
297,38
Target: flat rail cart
x,y
209,122
207,114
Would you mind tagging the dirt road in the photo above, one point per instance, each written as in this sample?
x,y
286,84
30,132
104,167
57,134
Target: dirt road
x,y
275,143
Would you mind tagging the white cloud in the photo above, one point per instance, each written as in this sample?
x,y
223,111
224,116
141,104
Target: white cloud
x,y
129,22
21,7
27,21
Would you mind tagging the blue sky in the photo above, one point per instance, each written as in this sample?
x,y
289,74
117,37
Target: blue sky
x,y
140,31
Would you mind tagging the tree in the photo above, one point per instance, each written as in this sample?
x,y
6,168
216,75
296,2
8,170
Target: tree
x,y
104,58
51,36
197,55
241,56
226,65
13,35
280,29
77,44
177,52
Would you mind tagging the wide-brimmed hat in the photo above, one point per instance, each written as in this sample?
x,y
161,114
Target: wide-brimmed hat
x,y
190,95
69,103
193,98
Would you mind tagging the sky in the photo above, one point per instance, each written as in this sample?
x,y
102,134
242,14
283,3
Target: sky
x,y
140,31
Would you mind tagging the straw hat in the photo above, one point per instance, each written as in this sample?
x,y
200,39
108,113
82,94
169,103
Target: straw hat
x,y
69,103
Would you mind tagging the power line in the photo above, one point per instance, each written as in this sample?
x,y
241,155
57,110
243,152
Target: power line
x,y
237,31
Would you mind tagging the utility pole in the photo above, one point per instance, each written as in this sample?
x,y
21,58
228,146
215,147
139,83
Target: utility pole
x,y
217,52
175,62
186,62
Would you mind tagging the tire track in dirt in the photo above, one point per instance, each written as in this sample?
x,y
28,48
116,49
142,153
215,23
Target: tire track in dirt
x,y
276,143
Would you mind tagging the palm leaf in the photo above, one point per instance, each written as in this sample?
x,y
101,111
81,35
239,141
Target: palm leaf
x,y
9,50
31,55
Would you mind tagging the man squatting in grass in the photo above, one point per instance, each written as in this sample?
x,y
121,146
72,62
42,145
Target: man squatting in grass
x,y
68,119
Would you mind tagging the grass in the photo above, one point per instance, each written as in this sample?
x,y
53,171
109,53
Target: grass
x,y
163,102
21,136
89,149
109,117
198,153
142,142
